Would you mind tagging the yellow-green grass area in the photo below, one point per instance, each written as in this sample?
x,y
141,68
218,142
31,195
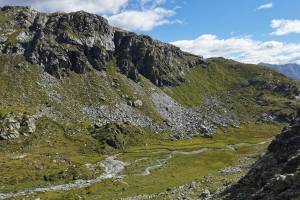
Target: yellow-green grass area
x,y
180,169
220,76
48,157
298,83
18,85
229,81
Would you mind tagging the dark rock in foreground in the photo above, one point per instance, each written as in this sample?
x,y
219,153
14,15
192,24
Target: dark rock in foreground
x,y
277,174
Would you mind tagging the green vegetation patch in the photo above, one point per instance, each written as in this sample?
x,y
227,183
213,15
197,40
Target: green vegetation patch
x,y
251,140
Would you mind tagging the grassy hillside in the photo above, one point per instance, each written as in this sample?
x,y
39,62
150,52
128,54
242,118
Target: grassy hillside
x,y
229,80
125,96
60,149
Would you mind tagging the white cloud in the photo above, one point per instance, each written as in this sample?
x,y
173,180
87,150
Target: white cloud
x,y
144,20
285,26
243,49
146,16
93,6
265,6
153,2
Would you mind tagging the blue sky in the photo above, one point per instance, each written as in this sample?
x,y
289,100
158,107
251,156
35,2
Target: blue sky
x,y
250,31
227,18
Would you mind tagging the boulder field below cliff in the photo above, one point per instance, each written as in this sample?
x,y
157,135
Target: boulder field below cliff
x,y
72,67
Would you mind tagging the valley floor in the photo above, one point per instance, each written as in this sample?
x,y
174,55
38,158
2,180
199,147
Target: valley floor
x,y
160,169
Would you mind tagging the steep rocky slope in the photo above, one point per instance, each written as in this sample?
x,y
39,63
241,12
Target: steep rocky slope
x,y
80,41
51,63
74,89
276,175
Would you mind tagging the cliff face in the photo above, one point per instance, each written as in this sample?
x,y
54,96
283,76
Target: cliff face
x,y
51,63
163,64
80,41
277,174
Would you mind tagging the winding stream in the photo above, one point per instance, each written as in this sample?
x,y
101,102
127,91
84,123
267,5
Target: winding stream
x,y
113,168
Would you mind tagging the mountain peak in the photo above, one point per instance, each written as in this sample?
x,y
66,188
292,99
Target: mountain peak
x,y
79,41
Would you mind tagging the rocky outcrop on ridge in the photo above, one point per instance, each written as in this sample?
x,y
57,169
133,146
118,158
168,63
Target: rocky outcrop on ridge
x,y
161,63
284,89
59,46
81,41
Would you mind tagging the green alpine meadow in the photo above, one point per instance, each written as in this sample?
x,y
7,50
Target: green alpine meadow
x,y
93,111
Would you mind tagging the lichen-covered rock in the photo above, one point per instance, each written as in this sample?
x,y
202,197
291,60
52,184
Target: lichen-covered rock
x,y
137,103
114,135
276,175
15,125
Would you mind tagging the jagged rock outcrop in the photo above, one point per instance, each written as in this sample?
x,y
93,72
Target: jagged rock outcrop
x,y
163,64
284,89
79,41
114,135
15,125
59,42
277,174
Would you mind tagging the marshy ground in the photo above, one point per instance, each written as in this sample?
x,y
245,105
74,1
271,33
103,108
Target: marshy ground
x,y
151,169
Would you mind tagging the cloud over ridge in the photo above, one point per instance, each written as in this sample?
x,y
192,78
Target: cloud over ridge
x,y
243,49
93,6
144,20
149,15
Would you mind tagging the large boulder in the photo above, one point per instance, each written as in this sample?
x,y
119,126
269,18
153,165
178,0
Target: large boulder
x,y
15,125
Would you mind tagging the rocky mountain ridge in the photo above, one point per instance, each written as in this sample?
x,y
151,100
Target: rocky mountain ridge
x,y
80,41
110,75
82,102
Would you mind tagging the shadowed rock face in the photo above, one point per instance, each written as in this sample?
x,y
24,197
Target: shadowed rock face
x,y
162,63
277,174
80,41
